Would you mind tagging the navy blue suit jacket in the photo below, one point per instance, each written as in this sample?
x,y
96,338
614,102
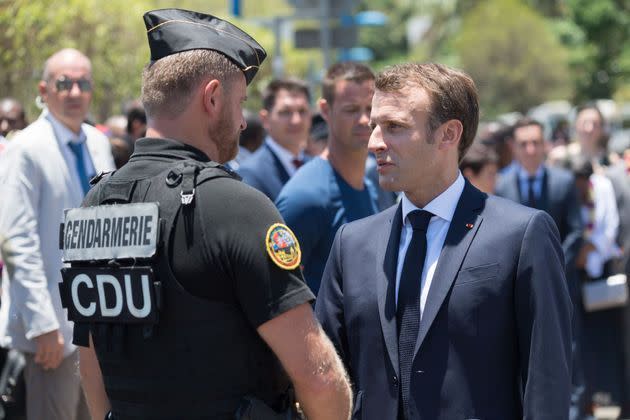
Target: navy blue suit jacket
x,y
559,199
495,336
264,171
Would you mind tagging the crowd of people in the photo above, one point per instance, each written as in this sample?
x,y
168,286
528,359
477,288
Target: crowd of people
x,y
324,164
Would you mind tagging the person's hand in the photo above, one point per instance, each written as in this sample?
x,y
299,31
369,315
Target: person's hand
x,y
49,350
580,261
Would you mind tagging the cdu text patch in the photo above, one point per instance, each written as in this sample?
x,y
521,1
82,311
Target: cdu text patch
x,y
121,295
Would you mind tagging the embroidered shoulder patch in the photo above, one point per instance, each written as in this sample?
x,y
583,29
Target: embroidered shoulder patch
x,y
283,247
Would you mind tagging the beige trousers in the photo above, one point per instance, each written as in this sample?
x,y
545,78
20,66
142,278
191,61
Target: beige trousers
x,y
55,394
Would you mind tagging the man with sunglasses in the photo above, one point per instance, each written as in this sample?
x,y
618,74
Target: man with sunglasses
x,y
46,169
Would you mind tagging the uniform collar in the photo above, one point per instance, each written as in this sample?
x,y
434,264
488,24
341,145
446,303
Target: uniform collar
x,y
166,148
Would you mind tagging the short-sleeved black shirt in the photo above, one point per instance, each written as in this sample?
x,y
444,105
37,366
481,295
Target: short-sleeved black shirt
x,y
230,228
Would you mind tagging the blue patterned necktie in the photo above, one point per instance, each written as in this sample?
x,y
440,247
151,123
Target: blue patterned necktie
x,y
408,309
77,149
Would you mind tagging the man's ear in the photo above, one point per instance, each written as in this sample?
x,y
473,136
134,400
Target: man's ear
x,y
213,97
450,134
42,88
264,118
324,109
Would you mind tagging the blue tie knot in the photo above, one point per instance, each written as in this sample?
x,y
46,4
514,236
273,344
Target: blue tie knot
x,y
77,148
419,219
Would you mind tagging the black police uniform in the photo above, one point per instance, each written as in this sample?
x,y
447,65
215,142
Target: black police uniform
x,y
217,284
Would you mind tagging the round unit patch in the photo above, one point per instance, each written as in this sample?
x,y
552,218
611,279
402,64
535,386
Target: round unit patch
x,y
283,247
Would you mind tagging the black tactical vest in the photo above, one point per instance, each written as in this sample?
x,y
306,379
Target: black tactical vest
x,y
198,358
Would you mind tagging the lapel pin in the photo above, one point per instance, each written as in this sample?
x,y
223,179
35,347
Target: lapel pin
x,y
469,225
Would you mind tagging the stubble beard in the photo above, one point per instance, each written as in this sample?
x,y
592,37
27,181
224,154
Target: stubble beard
x,y
226,139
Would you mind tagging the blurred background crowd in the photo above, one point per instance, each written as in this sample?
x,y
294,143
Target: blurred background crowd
x,y
554,84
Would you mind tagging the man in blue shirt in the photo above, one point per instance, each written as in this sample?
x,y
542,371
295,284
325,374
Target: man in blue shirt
x,y
332,189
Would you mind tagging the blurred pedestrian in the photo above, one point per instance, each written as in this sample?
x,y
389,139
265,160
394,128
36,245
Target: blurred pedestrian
x,y
480,166
537,185
44,171
250,139
331,189
602,330
318,136
591,135
136,121
12,117
286,117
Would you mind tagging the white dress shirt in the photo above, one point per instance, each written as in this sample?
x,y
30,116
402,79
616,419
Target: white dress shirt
x,y
285,156
443,207
604,226
65,136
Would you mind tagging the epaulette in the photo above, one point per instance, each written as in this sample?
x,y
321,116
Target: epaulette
x,y
95,180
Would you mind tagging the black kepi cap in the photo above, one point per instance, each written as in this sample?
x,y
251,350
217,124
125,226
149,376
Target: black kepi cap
x,y
172,31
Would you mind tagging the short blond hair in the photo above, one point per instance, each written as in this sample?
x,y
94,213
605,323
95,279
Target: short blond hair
x,y
168,84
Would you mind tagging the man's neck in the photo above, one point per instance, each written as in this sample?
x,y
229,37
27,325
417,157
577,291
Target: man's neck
x,y
349,164
169,130
74,126
432,188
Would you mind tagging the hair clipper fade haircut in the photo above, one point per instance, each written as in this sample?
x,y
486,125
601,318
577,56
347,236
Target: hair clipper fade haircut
x,y
452,93
292,85
347,70
168,83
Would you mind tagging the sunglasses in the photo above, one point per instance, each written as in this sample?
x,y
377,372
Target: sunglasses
x,y
64,84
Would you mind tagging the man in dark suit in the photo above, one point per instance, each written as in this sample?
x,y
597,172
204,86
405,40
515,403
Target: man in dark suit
x,y
543,187
537,185
452,305
286,116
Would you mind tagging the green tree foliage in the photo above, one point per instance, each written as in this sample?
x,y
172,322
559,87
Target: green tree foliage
x,y
513,56
111,33
598,32
107,32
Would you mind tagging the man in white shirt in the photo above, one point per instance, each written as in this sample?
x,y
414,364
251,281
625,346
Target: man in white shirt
x,y
453,304
45,170
286,116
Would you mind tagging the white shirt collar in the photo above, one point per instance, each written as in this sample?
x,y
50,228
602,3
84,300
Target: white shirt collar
x,y
523,175
63,133
285,156
443,205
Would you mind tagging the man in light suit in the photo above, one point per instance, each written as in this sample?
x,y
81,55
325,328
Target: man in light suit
x,y
286,116
452,305
45,170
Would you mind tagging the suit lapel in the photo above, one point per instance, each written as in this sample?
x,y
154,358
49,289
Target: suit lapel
x,y
94,154
545,190
458,239
386,260
518,196
284,175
